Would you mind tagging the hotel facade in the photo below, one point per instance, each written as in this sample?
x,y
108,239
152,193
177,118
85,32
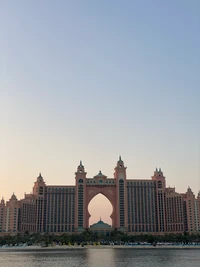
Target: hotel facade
x,y
139,206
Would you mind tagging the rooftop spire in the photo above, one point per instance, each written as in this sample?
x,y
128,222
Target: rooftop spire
x,y
81,164
189,189
13,197
80,168
120,159
120,163
40,178
2,201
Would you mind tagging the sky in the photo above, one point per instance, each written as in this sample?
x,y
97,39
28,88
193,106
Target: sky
x,y
92,80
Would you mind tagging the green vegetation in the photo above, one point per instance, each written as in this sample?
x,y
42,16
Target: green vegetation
x,y
86,237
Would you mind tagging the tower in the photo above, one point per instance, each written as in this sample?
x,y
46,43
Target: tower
x,y
121,195
189,202
2,215
160,185
80,210
39,186
39,190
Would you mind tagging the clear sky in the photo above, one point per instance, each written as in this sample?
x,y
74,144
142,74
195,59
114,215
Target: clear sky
x,y
92,80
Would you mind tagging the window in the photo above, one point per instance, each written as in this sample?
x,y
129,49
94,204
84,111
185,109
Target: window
x,y
41,190
159,184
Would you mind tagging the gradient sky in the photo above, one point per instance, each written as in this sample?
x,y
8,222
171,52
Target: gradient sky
x,y
92,80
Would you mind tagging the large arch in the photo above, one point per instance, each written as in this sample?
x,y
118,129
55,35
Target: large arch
x,y
100,208
109,193
113,189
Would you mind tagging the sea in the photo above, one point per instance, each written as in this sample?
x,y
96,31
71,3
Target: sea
x,y
95,257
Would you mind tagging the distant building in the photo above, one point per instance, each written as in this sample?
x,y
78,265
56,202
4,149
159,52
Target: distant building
x,y
139,205
101,229
10,215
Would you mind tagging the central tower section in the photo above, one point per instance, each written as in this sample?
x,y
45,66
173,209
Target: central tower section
x,y
114,189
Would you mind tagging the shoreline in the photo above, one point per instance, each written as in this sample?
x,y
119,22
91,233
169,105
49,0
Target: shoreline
x,y
63,248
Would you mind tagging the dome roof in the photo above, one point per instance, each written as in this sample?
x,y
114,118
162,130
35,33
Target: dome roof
x,y
100,174
13,197
40,178
100,225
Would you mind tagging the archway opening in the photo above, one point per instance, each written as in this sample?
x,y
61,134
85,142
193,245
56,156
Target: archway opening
x,y
100,207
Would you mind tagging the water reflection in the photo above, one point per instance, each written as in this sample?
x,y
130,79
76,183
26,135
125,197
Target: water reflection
x,y
71,258
97,257
100,257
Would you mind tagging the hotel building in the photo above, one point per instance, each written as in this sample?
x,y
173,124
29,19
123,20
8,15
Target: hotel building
x,y
139,206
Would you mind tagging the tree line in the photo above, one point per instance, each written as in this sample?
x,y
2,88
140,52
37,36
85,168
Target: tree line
x,y
87,236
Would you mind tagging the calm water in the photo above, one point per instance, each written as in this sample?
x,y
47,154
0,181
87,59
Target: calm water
x,y
103,257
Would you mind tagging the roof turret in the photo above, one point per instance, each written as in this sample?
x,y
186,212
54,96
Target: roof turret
x,y
13,197
80,169
2,201
81,165
40,178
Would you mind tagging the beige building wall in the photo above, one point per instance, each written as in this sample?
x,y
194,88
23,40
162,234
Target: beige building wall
x,y
28,213
174,211
12,215
198,212
190,210
60,209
